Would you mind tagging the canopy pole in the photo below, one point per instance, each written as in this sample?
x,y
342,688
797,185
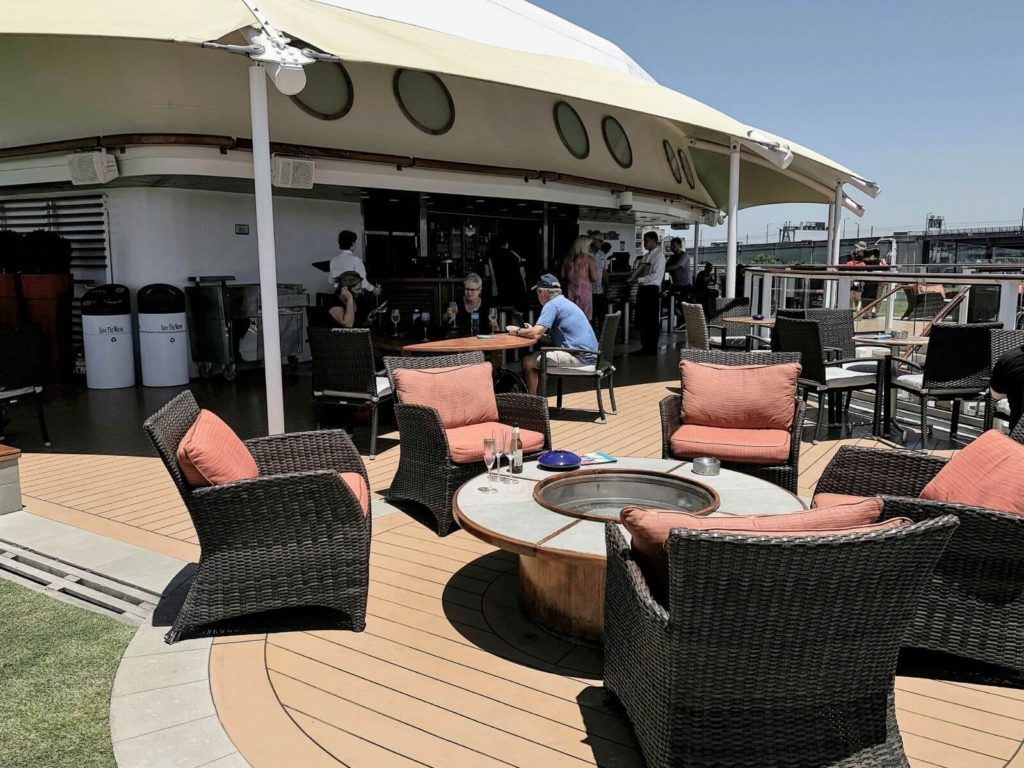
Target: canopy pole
x,y
837,206
734,209
265,246
828,231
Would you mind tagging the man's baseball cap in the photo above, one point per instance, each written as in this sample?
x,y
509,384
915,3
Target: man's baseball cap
x,y
547,281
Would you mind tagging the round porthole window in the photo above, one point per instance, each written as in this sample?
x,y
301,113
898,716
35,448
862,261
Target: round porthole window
x,y
424,100
328,92
571,130
673,161
684,163
617,141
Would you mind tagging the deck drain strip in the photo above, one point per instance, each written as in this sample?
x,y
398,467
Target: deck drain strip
x,y
75,585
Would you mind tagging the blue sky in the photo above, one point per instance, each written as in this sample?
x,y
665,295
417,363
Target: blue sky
x,y
926,98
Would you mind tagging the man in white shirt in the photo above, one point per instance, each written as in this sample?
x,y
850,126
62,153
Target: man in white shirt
x,y
347,261
602,258
649,273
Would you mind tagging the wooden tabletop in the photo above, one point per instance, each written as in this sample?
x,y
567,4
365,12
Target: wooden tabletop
x,y
497,343
910,341
766,322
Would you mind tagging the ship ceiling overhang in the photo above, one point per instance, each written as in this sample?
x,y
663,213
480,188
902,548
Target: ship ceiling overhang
x,y
599,75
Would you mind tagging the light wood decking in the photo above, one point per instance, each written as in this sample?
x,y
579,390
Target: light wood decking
x,y
449,672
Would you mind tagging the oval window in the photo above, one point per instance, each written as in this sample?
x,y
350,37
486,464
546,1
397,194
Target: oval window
x,y
617,141
328,92
571,130
424,100
684,163
673,161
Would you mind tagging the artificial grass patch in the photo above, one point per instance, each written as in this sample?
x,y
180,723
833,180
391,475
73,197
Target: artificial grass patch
x,y
57,666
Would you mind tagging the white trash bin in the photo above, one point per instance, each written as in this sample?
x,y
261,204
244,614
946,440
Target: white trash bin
x,y
107,337
163,336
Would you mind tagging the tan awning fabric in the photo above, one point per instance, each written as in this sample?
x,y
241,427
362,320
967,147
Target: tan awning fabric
x,y
356,36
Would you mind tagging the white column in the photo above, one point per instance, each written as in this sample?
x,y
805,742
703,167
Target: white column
x,y
837,221
1008,303
831,228
734,209
265,246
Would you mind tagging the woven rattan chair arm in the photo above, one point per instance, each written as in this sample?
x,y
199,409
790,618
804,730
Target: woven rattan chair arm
x,y
620,557
714,328
570,349
303,451
527,411
872,472
421,429
796,432
275,509
898,362
1017,433
671,409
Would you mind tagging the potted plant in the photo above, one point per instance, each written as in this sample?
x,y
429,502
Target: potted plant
x,y
47,289
10,262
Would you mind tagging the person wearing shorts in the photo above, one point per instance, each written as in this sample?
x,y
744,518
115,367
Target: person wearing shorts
x,y
568,326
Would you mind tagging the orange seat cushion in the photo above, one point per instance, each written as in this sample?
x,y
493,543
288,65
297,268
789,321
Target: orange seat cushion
x,y
355,481
466,444
739,396
994,458
832,499
649,529
742,446
211,453
462,394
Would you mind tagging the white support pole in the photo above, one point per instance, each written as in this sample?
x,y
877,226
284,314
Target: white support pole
x,y
1008,303
734,209
837,206
831,227
265,246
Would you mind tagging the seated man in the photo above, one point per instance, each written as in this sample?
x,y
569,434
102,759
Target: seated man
x,y
569,327
1008,382
350,306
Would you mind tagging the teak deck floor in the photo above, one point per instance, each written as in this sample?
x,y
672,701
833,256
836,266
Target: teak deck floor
x,y
449,671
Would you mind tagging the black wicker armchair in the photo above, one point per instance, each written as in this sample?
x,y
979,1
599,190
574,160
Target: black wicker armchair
x,y
973,605
21,373
784,475
1002,342
957,367
344,373
426,473
726,335
775,652
295,537
825,373
601,371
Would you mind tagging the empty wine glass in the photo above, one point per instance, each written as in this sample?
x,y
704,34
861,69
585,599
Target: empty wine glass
x,y
395,317
453,310
492,315
505,449
425,319
489,456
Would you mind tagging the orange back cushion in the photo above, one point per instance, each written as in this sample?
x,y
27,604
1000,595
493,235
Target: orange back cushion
x,y
649,529
462,395
739,396
211,453
993,457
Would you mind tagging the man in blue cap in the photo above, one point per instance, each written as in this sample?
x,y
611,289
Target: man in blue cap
x,y
568,326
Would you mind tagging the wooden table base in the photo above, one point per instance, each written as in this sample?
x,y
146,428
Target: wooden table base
x,y
565,595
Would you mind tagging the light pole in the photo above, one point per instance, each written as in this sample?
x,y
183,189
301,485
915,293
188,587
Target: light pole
x,y
772,223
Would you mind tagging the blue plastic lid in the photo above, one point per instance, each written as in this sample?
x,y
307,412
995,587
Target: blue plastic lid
x,y
559,459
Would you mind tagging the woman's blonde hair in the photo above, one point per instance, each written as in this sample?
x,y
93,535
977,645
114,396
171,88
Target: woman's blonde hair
x,y
580,247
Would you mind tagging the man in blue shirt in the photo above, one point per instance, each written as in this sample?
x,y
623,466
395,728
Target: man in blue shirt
x,y
568,326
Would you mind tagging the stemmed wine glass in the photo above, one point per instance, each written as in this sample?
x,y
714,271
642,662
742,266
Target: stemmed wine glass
x,y
489,456
492,315
425,319
396,315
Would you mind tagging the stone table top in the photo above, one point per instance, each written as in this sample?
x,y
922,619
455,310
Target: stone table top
x,y
513,521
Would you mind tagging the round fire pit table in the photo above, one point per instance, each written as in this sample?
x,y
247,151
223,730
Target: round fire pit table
x,y
555,523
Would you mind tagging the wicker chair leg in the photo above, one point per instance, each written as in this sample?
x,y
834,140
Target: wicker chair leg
x,y
820,425
374,408
42,420
600,400
558,391
316,412
611,392
924,422
954,420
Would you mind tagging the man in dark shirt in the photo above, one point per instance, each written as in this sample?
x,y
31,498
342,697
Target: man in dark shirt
x,y
1008,381
508,275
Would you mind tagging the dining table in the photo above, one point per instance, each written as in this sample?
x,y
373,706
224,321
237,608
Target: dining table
x,y
885,416
491,344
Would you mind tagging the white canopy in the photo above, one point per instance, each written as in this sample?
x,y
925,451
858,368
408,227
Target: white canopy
x,y
508,42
